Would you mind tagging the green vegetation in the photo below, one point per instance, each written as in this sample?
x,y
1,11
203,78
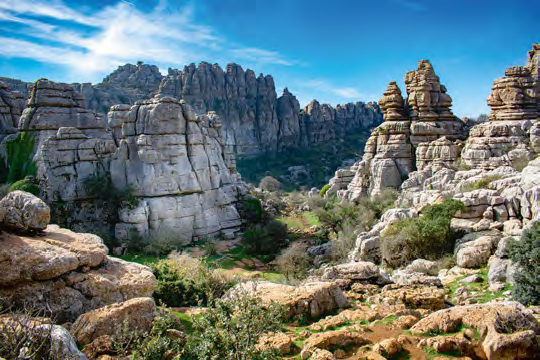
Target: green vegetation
x,y
270,184
28,184
480,184
324,189
482,288
302,221
186,281
294,261
526,255
265,238
426,237
19,158
232,329
321,162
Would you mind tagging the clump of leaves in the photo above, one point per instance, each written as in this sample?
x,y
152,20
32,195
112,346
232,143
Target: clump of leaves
x,y
526,254
19,157
28,184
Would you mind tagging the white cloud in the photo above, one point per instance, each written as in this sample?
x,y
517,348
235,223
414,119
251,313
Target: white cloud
x,y
348,92
114,35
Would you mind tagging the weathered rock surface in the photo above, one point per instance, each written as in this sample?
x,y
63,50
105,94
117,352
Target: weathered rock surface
x,y
417,132
22,211
511,135
312,299
11,108
134,315
356,272
67,274
508,329
173,163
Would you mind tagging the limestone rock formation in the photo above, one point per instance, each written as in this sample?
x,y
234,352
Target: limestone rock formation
x,y
66,274
178,167
508,329
132,315
256,120
22,211
310,300
11,107
173,164
416,133
511,135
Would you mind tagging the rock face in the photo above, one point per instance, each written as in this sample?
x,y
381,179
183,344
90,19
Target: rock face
x,y
511,135
416,132
254,119
178,167
11,107
66,274
172,163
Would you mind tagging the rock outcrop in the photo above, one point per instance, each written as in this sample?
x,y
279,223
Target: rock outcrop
x,y
416,133
256,120
23,212
162,169
11,108
65,274
511,137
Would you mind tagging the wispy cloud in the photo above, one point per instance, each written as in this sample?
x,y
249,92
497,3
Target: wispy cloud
x,y
98,40
345,92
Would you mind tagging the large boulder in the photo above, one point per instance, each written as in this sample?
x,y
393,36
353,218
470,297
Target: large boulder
x,y
22,211
135,315
311,300
362,272
66,274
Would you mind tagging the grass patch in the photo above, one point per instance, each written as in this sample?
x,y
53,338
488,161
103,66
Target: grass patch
x,y
186,321
140,259
484,294
302,221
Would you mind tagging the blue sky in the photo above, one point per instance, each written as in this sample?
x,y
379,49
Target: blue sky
x,y
335,51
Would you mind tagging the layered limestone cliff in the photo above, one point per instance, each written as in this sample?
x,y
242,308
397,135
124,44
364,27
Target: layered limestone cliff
x,y
255,120
171,164
11,107
512,136
418,132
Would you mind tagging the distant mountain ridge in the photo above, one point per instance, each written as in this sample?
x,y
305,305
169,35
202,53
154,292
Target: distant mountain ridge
x,y
255,120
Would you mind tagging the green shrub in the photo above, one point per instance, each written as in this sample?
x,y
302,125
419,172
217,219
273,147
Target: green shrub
x,y
19,157
27,184
252,210
526,255
157,344
426,237
265,238
186,281
324,189
343,244
336,215
232,329
480,184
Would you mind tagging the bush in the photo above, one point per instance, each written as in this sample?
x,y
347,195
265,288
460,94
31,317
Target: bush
x,y
186,281
480,184
27,184
324,189
19,157
270,184
336,216
157,344
252,210
426,237
294,261
526,255
233,328
343,244
265,238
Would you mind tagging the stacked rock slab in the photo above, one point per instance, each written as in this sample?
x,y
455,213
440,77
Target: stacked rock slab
x,y
173,163
512,136
417,133
177,166
11,107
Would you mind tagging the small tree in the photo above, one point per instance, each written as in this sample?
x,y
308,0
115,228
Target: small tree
x,y
269,183
526,255
294,261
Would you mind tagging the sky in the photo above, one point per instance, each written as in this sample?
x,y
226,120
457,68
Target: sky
x,y
335,51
